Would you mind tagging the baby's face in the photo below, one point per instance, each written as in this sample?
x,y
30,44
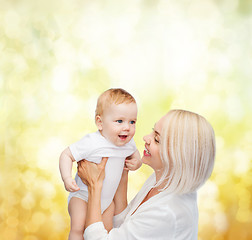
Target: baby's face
x,y
118,123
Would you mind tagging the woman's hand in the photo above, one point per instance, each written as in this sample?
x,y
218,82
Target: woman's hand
x,y
92,174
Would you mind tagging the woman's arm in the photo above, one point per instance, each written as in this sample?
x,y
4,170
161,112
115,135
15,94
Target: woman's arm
x,y
92,175
120,198
151,221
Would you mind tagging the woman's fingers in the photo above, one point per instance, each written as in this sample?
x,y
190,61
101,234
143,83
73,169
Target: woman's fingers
x,y
102,166
82,170
90,172
103,162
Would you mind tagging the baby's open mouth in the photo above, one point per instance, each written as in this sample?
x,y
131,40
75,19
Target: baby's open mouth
x,y
123,137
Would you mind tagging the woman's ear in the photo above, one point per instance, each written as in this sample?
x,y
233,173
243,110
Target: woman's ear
x,y
98,122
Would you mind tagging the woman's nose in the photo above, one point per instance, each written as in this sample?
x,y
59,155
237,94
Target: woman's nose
x,y
147,139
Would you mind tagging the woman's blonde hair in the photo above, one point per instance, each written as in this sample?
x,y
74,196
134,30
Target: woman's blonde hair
x,y
110,96
187,151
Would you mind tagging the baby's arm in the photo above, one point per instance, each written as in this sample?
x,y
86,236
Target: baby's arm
x,y
65,165
133,162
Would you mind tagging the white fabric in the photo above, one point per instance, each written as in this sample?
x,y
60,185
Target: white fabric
x,y
93,147
162,217
82,194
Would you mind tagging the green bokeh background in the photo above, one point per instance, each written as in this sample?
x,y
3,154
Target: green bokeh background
x,y
58,56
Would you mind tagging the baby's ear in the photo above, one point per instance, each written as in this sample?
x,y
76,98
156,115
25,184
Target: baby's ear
x,y
98,122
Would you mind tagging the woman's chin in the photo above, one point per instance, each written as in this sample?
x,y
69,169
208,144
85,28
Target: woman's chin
x,y
145,161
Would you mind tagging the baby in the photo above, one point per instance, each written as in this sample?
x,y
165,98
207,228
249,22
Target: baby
x,y
115,118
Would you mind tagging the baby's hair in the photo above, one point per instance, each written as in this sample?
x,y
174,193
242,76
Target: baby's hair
x,y
113,95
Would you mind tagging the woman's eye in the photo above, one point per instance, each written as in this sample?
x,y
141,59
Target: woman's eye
x,y
119,121
132,122
156,140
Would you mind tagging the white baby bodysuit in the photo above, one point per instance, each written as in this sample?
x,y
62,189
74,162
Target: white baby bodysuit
x,y
93,147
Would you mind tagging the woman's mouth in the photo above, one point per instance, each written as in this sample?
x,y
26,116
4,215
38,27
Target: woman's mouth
x,y
146,152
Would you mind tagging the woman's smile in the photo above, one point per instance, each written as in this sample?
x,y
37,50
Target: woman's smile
x,y
146,152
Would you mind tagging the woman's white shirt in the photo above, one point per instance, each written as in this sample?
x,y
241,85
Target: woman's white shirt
x,y
163,217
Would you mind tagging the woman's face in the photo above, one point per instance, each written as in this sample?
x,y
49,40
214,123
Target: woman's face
x,y
151,154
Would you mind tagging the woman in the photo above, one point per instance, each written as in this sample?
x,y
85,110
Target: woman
x,y
181,151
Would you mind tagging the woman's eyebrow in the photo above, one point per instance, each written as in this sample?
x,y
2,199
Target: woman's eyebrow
x,y
156,131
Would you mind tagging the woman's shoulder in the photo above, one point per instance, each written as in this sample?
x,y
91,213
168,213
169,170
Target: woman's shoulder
x,y
180,203
181,208
184,208
178,213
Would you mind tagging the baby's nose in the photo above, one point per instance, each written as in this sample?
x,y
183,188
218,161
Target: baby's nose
x,y
126,126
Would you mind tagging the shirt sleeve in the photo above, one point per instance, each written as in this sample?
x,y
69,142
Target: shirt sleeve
x,y
147,223
82,148
119,218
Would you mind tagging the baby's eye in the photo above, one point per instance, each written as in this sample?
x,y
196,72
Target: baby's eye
x,y
132,122
119,121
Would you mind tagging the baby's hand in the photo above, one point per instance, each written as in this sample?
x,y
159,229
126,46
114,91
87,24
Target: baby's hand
x,y
70,184
132,164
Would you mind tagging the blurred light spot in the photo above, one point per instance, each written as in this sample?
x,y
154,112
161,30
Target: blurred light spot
x,y
245,198
199,81
221,178
223,64
12,24
14,212
30,237
29,175
210,102
220,222
219,142
20,64
12,221
243,215
28,201
242,162
247,179
204,217
207,195
58,221
61,78
65,104
39,218
46,203
48,154
124,29
31,226
29,179
234,108
65,53
31,51
32,110
90,105
182,52
48,189
85,62
8,233
1,79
